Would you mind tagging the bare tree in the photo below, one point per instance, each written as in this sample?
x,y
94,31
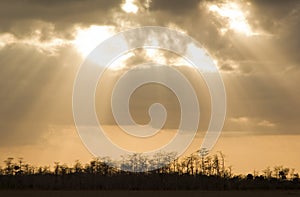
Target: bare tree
x,y
216,165
267,173
77,167
56,168
228,172
283,173
276,171
203,153
20,170
9,170
222,163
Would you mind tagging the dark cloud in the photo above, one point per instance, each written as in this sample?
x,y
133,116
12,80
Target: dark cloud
x,y
275,9
175,6
55,11
20,17
281,20
227,67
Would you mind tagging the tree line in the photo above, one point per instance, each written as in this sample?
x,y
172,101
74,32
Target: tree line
x,y
199,170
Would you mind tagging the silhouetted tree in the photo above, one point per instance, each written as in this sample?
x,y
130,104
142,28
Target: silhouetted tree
x,y
9,170
77,167
216,165
276,171
295,177
283,173
196,171
203,153
267,173
1,171
222,156
249,177
56,168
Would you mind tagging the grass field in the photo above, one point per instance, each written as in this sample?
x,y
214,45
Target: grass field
x,y
273,193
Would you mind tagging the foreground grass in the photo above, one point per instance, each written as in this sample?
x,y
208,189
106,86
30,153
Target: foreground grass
x,y
248,193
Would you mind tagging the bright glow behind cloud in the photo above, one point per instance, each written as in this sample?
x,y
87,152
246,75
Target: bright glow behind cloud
x,y
88,39
130,7
234,16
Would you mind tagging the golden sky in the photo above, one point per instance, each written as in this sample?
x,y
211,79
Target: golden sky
x,y
255,45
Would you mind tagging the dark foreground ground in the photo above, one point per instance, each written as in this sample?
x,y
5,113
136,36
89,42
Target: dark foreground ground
x,y
292,193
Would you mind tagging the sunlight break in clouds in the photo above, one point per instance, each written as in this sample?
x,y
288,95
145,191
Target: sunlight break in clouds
x,y
129,6
235,18
88,39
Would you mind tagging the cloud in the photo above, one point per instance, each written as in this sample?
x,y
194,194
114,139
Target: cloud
x,y
240,119
49,46
266,123
176,7
55,11
60,17
235,18
38,61
280,19
252,124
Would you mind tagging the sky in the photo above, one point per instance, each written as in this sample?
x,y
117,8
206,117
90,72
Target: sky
x,y
255,45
